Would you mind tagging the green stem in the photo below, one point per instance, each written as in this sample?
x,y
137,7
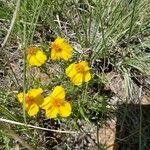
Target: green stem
x,y
132,22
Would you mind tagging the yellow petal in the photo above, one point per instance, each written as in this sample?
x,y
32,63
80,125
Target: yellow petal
x,y
52,112
39,100
70,71
77,79
33,61
66,46
46,103
35,92
58,92
59,40
85,64
66,55
32,109
20,97
66,52
87,76
65,110
41,57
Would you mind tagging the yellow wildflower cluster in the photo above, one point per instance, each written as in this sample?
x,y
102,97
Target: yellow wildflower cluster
x,y
54,104
60,49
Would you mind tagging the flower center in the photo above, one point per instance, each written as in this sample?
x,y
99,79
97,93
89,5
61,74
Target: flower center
x,y
32,50
57,102
56,48
28,99
79,68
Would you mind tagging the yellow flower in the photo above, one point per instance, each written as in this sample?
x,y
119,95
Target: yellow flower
x,y
33,99
36,56
60,49
79,73
55,104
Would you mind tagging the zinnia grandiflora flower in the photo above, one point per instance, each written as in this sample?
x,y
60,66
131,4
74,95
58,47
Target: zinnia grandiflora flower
x,y
79,72
60,49
55,104
33,99
36,56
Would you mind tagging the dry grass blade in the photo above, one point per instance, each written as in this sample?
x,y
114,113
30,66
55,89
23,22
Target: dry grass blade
x,y
12,24
35,127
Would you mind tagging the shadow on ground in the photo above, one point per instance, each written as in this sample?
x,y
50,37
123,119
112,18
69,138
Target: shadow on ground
x,y
133,127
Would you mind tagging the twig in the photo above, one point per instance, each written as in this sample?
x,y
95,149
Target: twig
x,y
12,23
35,127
